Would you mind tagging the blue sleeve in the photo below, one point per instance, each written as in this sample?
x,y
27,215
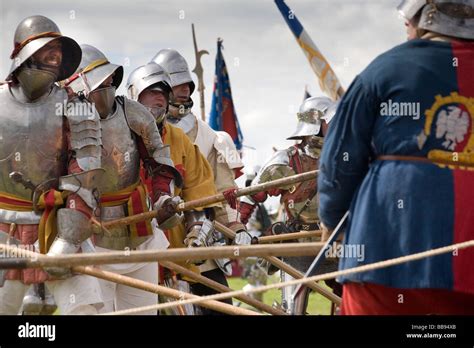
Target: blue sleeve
x,y
346,152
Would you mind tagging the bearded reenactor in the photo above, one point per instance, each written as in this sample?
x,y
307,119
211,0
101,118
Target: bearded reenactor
x,y
299,201
150,85
130,137
50,162
221,155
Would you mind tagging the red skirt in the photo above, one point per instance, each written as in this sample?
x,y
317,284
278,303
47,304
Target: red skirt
x,y
374,299
27,235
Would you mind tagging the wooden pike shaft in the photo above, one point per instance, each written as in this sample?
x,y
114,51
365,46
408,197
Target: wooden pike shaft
x,y
285,267
288,236
160,290
221,288
175,254
206,201
138,284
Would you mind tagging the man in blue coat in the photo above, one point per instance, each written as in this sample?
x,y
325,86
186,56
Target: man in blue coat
x,y
399,156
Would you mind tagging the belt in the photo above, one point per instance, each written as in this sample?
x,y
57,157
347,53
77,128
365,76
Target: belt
x,y
404,158
437,161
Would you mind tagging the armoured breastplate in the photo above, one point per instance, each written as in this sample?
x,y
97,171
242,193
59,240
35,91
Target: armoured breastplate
x,y
31,137
300,200
121,161
120,157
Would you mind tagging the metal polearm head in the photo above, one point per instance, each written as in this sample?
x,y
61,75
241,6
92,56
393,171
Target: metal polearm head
x,y
19,178
198,70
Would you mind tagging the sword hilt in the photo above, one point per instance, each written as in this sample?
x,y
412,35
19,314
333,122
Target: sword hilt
x,y
18,177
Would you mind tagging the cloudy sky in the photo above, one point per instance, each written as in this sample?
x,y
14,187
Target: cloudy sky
x,y
268,70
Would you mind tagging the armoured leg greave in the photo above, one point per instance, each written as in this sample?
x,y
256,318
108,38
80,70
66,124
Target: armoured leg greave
x,y
38,301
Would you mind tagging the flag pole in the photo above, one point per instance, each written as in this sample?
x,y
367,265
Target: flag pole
x,y
327,79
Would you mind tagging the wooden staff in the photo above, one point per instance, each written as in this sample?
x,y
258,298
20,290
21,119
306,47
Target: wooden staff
x,y
206,201
288,236
221,288
140,284
160,290
174,254
331,275
285,267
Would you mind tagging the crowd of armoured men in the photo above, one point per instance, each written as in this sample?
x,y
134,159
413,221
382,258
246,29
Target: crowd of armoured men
x,y
110,156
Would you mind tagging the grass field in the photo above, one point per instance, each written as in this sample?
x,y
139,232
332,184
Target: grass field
x,y
318,305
